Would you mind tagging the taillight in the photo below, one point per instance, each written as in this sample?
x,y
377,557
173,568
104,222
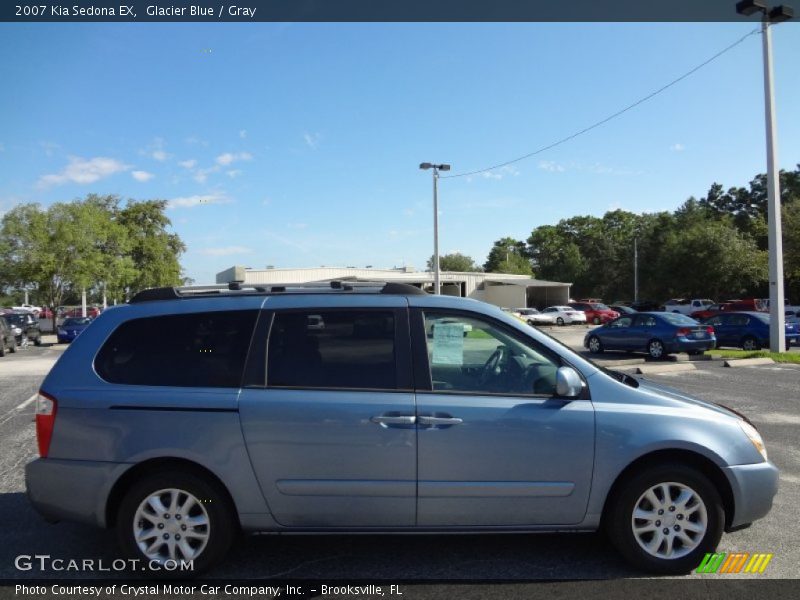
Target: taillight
x,y
684,331
710,330
46,407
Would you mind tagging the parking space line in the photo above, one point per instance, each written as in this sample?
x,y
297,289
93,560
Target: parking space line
x,y
27,402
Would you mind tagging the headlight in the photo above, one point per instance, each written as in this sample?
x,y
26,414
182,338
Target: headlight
x,y
62,332
17,331
755,437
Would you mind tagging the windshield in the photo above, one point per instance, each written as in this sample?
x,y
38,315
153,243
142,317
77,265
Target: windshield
x,y
600,306
762,318
77,321
677,319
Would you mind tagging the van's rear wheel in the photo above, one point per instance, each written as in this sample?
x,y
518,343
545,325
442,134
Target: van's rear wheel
x,y
665,519
173,516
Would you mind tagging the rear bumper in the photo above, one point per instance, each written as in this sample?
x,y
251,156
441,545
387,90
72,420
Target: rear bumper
x,y
684,344
71,490
754,487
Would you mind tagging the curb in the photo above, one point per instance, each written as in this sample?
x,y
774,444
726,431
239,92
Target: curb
x,y
748,362
666,368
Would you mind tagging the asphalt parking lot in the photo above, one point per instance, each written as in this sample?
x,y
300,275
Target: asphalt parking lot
x,y
769,395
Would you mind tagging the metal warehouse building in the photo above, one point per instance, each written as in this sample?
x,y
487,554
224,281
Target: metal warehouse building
x,y
512,291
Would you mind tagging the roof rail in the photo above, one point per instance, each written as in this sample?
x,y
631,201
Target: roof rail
x,y
235,289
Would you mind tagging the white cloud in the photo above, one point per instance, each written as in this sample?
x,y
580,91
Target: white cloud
x,y
226,251
243,133
233,173
677,147
312,140
49,147
156,150
142,175
201,175
80,170
231,157
188,164
552,166
2,147
408,212
195,141
192,201
297,225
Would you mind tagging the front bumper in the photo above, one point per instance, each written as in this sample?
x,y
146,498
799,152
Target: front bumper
x,y
71,490
754,487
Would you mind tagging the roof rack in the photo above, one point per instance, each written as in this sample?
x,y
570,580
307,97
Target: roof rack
x,y
235,289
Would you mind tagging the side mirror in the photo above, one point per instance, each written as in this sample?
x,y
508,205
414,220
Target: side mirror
x,y
568,383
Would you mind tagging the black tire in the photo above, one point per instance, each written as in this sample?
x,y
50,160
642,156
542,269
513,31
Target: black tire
x,y
13,347
619,520
750,343
595,345
38,341
656,349
531,323
2,348
222,524
559,321
596,320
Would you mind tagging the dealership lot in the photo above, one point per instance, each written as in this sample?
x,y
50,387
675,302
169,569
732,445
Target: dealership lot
x,y
767,394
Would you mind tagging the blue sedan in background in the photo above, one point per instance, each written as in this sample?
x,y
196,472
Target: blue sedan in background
x,y
657,333
71,328
748,330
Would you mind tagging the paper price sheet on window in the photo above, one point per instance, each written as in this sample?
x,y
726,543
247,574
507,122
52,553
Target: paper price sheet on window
x,y
448,344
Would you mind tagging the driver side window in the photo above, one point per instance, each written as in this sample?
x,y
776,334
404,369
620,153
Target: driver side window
x,y
468,354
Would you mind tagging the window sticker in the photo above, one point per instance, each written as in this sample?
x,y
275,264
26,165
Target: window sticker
x,y
448,344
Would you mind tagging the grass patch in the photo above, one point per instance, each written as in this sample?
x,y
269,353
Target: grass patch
x,y
478,334
782,357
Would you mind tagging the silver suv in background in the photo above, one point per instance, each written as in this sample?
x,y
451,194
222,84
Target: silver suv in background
x,y
191,414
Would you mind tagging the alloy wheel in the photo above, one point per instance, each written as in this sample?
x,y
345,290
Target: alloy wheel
x,y
669,520
171,524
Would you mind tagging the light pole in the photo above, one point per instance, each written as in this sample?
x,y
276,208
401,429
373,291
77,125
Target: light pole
x,y
777,339
436,168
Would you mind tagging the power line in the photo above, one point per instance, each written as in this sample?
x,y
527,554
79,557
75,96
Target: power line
x,y
610,117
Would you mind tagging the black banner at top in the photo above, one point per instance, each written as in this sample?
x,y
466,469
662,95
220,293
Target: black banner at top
x,y
367,10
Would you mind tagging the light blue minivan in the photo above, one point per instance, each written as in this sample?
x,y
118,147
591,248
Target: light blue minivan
x,y
192,414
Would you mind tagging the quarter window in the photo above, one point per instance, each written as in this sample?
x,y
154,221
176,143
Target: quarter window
x,y
466,354
188,350
333,349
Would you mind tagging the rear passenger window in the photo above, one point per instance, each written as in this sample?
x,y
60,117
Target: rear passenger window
x,y
190,350
333,349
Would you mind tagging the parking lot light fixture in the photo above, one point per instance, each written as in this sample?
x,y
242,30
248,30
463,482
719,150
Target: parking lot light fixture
x,y
777,341
436,168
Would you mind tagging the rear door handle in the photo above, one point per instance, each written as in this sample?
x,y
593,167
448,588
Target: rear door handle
x,y
433,421
391,420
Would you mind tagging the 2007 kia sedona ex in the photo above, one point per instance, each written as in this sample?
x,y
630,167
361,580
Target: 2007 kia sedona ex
x,y
191,414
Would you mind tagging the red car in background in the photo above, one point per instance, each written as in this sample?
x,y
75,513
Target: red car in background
x,y
91,311
596,312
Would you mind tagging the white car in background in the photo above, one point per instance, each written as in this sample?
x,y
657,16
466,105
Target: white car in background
x,y
565,315
533,317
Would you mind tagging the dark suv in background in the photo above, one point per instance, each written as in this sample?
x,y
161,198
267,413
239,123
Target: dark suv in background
x,y
7,340
24,325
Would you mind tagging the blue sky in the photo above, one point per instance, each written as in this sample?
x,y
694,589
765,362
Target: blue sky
x,y
297,145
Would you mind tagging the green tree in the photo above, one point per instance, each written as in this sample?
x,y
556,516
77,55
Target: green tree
x,y
506,254
454,262
153,250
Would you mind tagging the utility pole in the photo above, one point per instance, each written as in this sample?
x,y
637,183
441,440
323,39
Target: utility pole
x,y
777,317
436,273
635,270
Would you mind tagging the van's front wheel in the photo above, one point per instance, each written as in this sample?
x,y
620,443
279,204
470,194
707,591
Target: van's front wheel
x,y
173,518
665,519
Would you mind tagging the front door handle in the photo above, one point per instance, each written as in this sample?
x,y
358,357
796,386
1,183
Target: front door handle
x,y
433,421
390,420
